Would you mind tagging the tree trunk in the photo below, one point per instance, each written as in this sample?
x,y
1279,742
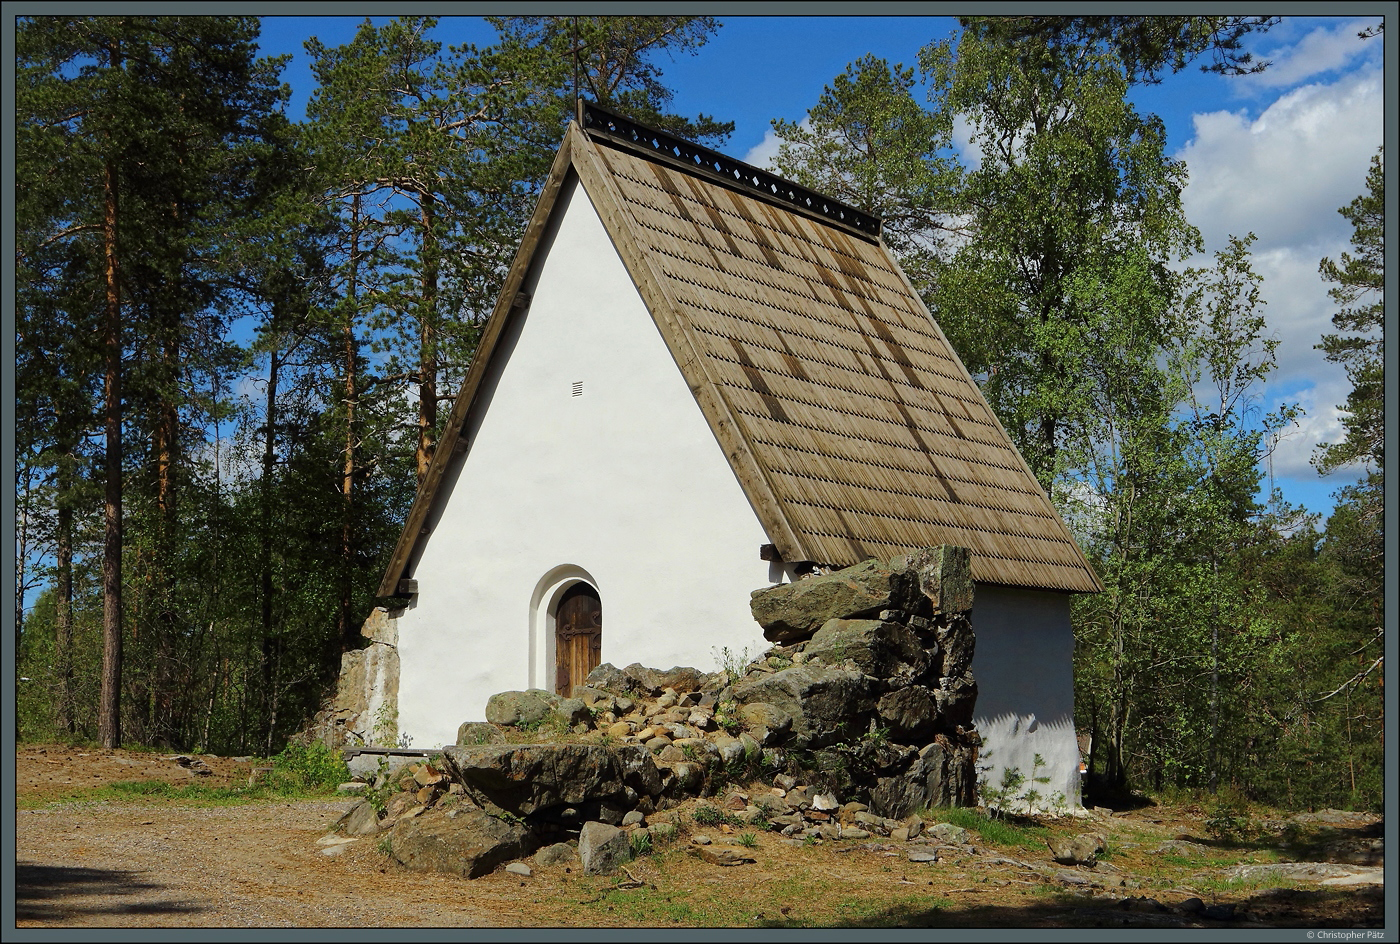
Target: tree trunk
x,y
268,646
109,709
63,600
427,352
347,632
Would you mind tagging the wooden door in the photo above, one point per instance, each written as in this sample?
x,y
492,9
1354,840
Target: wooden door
x,y
578,637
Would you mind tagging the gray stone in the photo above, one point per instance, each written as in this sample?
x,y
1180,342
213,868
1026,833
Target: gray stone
x,y
827,703
561,853
1078,850
794,611
947,832
911,714
944,577
680,678
471,843
663,831
479,732
524,778
884,650
957,642
519,868
632,818
608,677
686,780
520,708
353,787
731,749
594,698
923,854
954,700
940,775
360,820
760,714
602,848
574,711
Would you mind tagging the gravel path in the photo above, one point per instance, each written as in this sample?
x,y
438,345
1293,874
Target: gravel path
x,y
107,865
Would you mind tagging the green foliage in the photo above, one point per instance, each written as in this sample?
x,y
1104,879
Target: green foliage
x,y
1359,344
310,767
1227,820
748,840
707,815
641,844
1146,45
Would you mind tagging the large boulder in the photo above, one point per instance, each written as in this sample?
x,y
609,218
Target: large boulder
x,y
955,699
827,703
479,732
878,648
944,575
525,778
942,774
792,612
469,843
521,708
680,678
602,848
609,678
911,714
956,641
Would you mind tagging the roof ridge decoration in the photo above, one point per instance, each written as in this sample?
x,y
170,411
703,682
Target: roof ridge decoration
x,y
602,124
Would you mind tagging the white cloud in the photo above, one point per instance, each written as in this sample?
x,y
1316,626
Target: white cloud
x,y
968,148
762,154
1283,175
1324,49
1321,424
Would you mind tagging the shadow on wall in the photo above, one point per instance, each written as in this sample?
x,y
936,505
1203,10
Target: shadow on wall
x,y
1028,761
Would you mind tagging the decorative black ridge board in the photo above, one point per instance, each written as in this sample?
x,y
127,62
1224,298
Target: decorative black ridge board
x,y
607,125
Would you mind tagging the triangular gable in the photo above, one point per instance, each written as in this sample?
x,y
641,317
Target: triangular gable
x,y
852,426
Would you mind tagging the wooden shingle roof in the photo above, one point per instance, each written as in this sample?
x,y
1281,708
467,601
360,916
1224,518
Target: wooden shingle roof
x,y
850,422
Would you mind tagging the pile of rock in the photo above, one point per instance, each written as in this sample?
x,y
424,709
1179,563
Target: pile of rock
x,y
867,692
859,715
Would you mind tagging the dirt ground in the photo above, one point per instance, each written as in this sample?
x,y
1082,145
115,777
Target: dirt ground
x,y
162,863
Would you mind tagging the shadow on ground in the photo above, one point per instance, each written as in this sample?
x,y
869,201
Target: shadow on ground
x,y
61,894
1274,908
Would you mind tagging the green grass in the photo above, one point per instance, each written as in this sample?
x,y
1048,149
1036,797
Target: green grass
x,y
193,794
994,831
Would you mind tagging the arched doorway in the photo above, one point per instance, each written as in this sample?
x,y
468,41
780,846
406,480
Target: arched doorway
x,y
578,637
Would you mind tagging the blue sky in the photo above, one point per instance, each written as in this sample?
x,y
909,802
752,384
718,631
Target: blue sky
x,y
1275,154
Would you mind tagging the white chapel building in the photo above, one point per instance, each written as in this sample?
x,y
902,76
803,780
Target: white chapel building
x,y
700,380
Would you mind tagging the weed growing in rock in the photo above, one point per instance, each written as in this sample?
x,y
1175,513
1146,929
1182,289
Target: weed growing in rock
x,y
707,815
748,841
641,844
732,663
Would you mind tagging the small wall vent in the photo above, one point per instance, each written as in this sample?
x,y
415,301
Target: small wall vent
x,y
578,388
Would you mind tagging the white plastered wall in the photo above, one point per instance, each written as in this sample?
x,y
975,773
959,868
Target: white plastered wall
x,y
1024,666
624,486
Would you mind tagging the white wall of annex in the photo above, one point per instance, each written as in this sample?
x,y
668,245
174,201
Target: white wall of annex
x,y
1024,666
625,484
